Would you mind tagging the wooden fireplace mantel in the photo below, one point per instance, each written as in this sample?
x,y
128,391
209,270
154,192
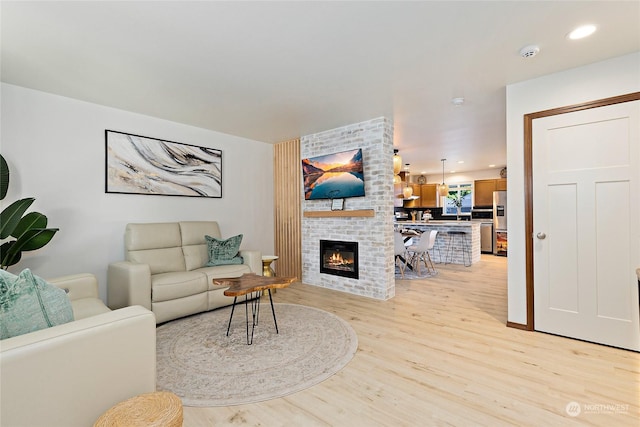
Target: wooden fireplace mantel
x,y
322,214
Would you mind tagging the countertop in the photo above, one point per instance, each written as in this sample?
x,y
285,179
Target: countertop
x,y
438,222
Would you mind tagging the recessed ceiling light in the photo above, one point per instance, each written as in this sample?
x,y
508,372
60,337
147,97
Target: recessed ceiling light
x,y
582,32
460,162
457,101
492,166
452,171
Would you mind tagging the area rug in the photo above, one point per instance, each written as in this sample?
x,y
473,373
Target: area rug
x,y
196,361
413,274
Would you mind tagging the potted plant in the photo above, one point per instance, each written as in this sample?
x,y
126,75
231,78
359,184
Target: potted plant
x,y
456,200
20,232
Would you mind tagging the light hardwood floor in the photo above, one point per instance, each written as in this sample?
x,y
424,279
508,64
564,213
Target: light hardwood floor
x,y
439,353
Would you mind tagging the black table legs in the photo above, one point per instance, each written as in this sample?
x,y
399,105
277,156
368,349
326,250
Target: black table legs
x,y
255,313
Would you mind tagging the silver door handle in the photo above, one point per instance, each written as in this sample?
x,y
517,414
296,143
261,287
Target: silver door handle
x,y
541,236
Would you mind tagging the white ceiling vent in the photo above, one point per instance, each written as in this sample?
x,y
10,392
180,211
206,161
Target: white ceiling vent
x,y
529,51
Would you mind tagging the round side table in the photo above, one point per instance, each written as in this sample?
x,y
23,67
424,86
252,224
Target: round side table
x,y
157,409
267,271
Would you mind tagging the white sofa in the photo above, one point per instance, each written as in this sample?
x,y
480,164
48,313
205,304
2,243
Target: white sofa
x,y
68,375
165,270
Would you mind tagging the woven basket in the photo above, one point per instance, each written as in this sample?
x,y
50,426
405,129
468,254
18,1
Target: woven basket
x,y
158,409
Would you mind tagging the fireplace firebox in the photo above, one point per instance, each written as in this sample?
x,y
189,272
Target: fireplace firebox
x,y
339,258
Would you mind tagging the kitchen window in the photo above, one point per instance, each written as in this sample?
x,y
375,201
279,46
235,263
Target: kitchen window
x,y
464,191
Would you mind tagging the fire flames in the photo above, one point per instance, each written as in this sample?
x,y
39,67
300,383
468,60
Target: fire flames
x,y
336,259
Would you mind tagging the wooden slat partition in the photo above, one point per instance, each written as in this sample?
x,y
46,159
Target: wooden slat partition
x,y
287,171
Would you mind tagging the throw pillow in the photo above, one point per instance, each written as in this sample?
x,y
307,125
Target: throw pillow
x,y
222,252
28,303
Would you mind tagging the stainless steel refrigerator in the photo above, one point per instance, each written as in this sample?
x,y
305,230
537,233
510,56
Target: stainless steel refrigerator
x,y
500,223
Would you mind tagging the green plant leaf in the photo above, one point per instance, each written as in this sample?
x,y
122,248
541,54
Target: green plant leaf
x,y
30,221
8,257
29,231
11,215
4,177
34,239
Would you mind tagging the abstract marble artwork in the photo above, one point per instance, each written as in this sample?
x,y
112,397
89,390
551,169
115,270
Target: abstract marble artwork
x,y
141,165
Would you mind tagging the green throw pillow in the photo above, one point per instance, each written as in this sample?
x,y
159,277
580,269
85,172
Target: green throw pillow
x,y
28,303
222,252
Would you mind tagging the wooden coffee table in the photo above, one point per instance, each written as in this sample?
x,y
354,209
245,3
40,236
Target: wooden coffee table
x,y
246,285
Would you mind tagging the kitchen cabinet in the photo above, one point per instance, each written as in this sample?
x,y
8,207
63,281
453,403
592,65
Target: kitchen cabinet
x,y
416,191
428,195
484,188
483,192
501,184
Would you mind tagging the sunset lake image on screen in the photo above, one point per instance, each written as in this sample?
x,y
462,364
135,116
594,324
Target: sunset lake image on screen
x,y
334,176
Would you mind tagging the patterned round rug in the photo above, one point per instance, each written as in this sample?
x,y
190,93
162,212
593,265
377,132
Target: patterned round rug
x,y
410,274
196,361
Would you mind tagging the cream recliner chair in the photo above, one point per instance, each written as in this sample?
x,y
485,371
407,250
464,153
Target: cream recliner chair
x,y
68,375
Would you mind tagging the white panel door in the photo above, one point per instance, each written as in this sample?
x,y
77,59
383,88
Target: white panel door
x,y
586,222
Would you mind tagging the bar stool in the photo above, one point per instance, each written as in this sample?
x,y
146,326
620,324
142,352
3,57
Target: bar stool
x,y
458,238
442,237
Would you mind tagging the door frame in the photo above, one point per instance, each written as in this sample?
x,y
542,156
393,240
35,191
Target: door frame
x,y
528,186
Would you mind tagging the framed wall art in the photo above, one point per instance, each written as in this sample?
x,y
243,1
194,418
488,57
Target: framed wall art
x,y
141,165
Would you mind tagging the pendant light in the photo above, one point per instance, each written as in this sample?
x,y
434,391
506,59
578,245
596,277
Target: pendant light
x,y
397,164
443,189
407,191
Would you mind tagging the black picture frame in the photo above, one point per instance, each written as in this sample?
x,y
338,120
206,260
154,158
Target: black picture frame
x,y
136,164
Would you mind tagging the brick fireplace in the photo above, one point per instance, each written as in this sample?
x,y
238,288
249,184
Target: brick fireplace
x,y
374,235
339,258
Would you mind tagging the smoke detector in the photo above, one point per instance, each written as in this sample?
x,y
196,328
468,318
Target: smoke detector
x,y
529,51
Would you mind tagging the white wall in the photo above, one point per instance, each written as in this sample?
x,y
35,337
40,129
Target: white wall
x,y
605,79
55,148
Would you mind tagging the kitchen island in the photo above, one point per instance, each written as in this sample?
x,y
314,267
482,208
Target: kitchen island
x,y
472,238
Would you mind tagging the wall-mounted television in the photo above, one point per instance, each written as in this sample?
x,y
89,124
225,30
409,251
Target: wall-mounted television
x,y
334,176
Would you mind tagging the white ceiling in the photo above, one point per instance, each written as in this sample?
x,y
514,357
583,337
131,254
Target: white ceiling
x,y
272,71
